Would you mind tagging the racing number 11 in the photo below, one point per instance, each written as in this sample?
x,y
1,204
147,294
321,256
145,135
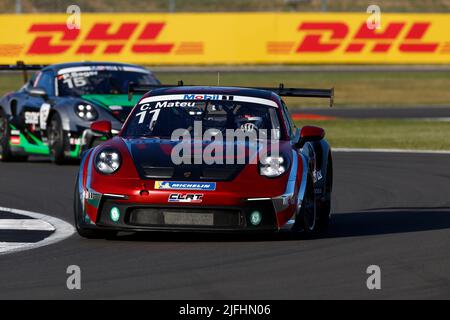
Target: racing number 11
x,y
142,115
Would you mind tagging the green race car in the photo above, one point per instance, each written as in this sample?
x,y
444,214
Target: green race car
x,y
52,112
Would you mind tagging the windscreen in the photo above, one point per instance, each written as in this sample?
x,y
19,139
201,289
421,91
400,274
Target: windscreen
x,y
101,80
162,118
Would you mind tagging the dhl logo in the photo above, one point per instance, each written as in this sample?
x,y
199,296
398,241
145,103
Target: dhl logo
x,y
56,38
190,39
325,37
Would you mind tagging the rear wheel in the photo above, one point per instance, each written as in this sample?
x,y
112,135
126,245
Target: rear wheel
x,y
5,149
305,220
56,140
80,225
324,212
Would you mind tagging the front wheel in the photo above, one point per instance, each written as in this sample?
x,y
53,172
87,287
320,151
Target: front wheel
x,y
324,211
306,217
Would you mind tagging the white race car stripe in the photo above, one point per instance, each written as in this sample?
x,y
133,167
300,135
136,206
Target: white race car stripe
x,y
212,96
101,67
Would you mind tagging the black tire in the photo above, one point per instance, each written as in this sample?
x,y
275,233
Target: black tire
x,y
324,209
83,231
305,221
5,150
57,141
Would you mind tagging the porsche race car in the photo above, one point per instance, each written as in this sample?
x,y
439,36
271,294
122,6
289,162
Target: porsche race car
x,y
52,112
174,167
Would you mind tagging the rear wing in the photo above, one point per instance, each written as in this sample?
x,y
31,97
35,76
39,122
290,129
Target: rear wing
x,y
21,66
280,90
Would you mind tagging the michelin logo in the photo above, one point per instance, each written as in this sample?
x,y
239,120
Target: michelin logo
x,y
185,185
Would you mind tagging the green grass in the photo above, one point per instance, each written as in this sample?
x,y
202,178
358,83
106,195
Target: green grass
x,y
226,5
10,81
352,89
386,133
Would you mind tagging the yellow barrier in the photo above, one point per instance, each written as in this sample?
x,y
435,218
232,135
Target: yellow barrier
x,y
227,38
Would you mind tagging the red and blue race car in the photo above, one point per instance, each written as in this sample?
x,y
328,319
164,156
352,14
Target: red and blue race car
x,y
202,158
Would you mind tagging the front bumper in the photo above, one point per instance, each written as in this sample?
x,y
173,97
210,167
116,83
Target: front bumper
x,y
139,217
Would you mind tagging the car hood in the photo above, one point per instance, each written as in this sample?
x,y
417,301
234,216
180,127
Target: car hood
x,y
153,160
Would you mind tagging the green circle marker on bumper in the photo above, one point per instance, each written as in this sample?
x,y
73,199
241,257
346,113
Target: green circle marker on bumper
x,y
114,214
255,218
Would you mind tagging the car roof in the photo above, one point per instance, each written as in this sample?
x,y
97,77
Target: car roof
x,y
59,66
219,90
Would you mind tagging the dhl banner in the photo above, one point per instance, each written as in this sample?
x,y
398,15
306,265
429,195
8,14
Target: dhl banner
x,y
226,38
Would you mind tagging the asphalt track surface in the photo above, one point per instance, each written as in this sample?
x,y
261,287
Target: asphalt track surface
x,y
391,210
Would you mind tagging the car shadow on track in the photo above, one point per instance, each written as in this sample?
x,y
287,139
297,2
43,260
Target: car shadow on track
x,y
202,237
354,224
41,159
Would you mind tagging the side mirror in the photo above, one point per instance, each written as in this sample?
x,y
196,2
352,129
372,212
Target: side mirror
x,y
309,134
102,127
38,92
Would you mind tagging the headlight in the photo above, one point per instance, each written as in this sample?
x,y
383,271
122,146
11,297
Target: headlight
x,y
272,167
86,112
108,161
